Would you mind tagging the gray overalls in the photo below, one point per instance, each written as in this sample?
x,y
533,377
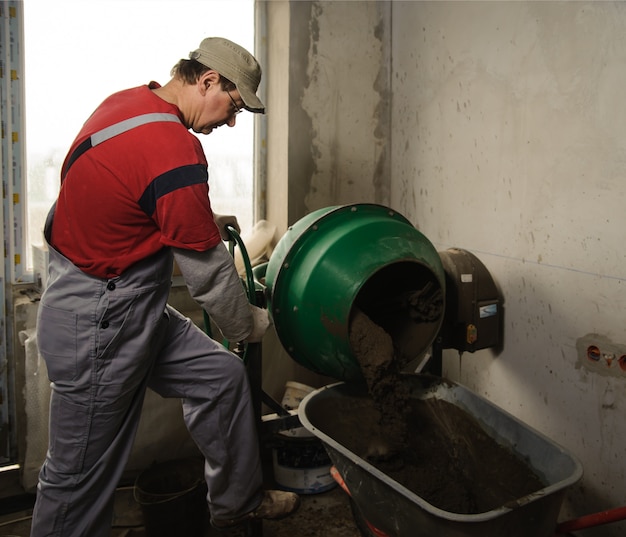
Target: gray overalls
x,y
105,342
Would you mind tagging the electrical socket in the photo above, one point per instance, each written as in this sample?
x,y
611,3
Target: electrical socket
x,y
601,355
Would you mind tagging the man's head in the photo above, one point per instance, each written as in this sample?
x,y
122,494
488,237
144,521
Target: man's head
x,y
235,64
218,81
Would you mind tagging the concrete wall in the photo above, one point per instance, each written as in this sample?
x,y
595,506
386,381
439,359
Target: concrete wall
x,y
328,119
496,127
508,140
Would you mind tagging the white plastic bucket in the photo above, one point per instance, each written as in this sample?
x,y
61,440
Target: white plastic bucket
x,y
294,393
300,461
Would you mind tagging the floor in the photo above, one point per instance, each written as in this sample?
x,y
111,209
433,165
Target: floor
x,y
327,514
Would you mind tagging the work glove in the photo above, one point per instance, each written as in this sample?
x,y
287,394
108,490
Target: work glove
x,y
223,220
260,324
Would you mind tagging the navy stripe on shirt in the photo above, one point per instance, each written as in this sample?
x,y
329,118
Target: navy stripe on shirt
x,y
84,146
170,181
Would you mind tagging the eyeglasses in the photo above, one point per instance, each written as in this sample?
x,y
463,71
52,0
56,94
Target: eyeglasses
x,y
237,109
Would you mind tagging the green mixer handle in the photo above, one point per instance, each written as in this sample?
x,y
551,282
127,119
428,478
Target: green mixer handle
x,y
259,274
236,238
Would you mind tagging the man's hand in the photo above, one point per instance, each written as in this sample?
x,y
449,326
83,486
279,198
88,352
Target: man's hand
x,y
260,324
223,220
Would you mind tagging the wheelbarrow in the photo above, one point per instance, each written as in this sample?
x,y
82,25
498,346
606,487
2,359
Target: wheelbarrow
x,y
389,509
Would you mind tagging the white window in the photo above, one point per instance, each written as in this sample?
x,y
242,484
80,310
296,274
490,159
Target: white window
x,y
59,59
78,52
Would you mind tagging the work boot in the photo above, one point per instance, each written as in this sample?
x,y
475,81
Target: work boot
x,y
276,504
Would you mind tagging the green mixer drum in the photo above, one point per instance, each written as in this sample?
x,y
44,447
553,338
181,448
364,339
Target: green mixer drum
x,y
341,258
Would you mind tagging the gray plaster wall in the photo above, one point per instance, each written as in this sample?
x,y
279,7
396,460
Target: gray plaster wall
x,y
496,127
331,107
508,141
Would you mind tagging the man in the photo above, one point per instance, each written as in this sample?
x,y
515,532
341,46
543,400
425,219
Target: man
x,y
133,197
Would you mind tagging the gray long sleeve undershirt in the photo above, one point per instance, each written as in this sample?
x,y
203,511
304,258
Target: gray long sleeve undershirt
x,y
214,284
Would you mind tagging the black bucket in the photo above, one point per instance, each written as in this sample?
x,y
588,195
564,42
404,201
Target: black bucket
x,y
172,496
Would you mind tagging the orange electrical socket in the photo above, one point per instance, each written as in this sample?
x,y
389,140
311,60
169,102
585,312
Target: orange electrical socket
x,y
593,353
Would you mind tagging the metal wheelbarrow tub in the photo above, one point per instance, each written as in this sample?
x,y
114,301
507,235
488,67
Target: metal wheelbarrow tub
x,y
392,510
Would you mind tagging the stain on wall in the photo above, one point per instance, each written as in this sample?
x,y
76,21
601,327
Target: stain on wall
x,y
340,99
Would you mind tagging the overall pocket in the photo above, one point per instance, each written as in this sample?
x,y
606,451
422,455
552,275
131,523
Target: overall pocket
x,y
57,341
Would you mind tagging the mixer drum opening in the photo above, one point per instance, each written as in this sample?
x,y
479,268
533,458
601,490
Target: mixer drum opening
x,y
406,299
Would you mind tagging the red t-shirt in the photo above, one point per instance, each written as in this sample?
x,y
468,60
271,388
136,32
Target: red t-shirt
x,y
135,193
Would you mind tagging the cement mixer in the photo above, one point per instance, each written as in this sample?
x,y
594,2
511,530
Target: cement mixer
x,y
368,257
340,258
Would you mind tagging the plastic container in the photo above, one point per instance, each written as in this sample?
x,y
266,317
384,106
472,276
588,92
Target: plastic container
x,y
172,496
394,511
301,464
294,393
340,258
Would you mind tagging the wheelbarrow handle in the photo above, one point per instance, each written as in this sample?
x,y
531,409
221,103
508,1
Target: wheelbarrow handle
x,y
592,520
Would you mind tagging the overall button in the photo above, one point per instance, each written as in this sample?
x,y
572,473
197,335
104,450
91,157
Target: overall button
x,y
111,286
104,324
